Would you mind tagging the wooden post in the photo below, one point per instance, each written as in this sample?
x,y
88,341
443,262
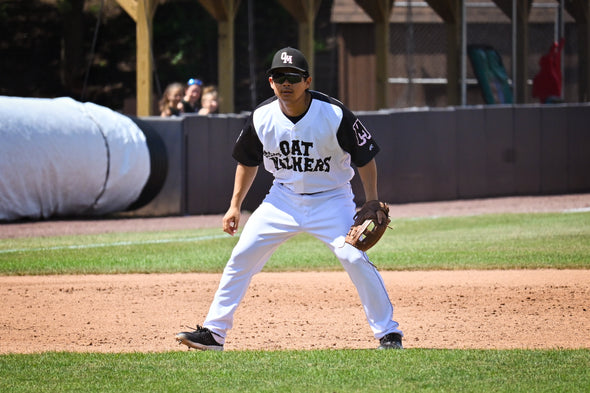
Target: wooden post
x,y
382,64
580,11
144,73
380,11
224,12
584,62
520,74
226,66
304,12
453,63
522,48
142,12
450,12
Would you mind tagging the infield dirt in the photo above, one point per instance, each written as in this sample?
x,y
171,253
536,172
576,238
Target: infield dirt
x,y
436,309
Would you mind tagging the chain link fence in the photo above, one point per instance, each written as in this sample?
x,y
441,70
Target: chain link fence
x,y
418,41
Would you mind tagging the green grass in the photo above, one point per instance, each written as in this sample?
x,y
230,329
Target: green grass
x,y
204,250
521,241
413,370
508,241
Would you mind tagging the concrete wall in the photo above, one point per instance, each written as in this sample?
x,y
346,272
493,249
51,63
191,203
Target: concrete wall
x,y
427,155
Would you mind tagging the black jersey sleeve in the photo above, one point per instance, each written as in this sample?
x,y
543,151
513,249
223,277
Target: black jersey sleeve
x,y
248,148
355,139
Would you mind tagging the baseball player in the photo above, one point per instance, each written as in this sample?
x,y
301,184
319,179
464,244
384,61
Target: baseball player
x,y
308,141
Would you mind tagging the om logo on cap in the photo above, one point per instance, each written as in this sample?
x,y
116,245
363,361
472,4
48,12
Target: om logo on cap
x,y
286,58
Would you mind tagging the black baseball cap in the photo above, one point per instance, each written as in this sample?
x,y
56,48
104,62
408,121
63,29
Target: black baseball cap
x,y
289,58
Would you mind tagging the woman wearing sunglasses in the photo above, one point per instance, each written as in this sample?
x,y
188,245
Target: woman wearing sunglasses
x,y
308,141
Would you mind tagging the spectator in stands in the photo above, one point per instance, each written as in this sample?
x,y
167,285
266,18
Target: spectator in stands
x,y
171,99
192,96
209,101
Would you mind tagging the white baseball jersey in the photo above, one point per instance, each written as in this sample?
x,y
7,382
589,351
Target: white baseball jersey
x,y
312,154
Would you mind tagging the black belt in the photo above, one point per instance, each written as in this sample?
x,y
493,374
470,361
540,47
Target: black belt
x,y
304,193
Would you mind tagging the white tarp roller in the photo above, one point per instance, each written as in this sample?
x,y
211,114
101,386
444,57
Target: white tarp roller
x,y
60,157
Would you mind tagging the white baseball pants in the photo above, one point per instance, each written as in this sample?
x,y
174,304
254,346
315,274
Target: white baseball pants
x,y
283,214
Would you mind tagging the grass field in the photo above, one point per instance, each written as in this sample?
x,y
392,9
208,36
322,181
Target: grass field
x,y
503,241
521,241
418,370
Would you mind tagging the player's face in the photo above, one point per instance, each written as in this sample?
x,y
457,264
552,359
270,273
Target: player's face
x,y
288,84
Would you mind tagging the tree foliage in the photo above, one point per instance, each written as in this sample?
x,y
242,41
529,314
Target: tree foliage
x,y
47,48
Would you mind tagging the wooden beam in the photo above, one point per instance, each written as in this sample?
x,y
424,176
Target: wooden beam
x,y
142,12
505,6
301,9
380,11
130,7
224,12
304,12
447,10
220,10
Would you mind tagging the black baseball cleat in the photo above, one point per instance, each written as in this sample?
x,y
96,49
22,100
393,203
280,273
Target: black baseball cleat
x,y
201,338
391,341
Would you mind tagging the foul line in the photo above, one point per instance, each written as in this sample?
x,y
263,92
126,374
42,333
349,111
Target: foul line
x,y
578,210
116,244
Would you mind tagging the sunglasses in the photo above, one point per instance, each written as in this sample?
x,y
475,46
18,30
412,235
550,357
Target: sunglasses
x,y
193,81
292,78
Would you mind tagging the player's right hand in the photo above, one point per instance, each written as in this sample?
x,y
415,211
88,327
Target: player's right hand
x,y
231,221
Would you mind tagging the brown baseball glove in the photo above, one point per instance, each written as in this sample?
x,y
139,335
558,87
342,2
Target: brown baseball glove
x,y
366,230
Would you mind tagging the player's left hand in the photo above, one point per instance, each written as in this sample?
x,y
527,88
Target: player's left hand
x,y
370,223
382,217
